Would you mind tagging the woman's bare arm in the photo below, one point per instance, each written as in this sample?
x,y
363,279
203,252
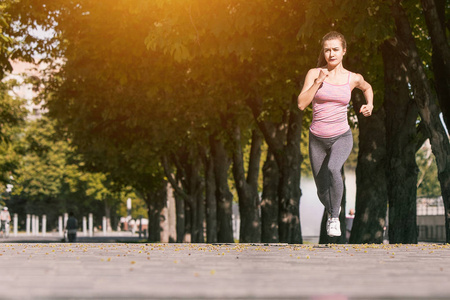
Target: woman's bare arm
x,y
313,80
366,88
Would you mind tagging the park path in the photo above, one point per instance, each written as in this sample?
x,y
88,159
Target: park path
x,y
223,271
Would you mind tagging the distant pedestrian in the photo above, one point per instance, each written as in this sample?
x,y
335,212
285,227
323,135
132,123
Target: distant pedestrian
x,y
72,227
349,223
329,87
5,219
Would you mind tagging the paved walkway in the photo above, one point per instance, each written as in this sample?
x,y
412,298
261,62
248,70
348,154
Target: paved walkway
x,y
228,271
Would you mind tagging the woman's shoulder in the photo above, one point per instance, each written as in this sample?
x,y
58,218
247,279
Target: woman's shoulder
x,y
355,76
359,77
315,71
312,73
356,80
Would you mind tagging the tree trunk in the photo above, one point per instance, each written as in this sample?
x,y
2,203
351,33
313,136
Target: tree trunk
x,y
428,110
171,214
324,238
164,224
193,220
187,223
247,188
200,218
180,199
284,143
223,195
187,163
401,133
210,196
156,201
371,190
434,11
181,218
289,192
193,186
269,202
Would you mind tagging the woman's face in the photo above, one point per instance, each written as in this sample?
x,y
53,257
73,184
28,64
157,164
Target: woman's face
x,y
333,51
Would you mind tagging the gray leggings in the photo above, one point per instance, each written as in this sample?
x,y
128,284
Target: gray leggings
x,y
327,156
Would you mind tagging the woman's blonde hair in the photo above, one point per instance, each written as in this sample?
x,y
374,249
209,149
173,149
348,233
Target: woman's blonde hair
x,y
332,35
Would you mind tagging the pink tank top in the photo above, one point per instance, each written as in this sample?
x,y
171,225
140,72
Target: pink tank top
x,y
329,108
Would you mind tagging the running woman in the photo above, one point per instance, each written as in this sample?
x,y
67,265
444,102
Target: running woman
x,y
328,87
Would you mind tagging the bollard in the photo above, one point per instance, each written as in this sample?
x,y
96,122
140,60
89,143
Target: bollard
x,y
60,226
66,217
33,225
15,224
91,225
37,225
44,225
104,225
84,226
140,226
33,219
28,224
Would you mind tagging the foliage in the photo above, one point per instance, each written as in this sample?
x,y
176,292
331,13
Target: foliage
x,y
48,179
5,41
99,92
12,116
107,94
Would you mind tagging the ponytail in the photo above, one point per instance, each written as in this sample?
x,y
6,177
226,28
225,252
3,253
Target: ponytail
x,y
321,62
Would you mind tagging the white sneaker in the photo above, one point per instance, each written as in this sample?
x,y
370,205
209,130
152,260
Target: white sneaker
x,y
335,227
329,220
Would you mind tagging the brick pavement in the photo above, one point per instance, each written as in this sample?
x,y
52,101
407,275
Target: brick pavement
x,y
228,271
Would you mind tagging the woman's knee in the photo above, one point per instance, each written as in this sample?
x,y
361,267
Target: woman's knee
x,y
335,172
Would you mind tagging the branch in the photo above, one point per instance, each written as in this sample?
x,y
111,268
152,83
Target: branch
x,y
267,129
173,181
422,135
437,34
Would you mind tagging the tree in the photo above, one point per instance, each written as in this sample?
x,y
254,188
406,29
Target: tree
x,y
5,41
244,35
371,184
101,96
48,179
429,112
12,115
435,12
247,187
401,137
